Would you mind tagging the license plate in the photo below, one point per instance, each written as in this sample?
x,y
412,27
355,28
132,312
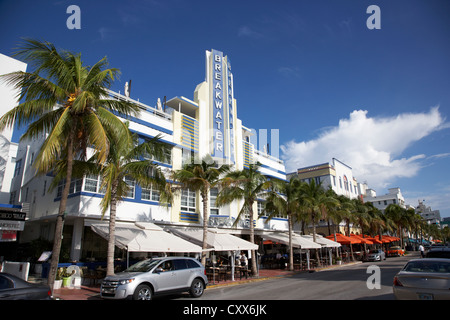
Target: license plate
x,y
425,296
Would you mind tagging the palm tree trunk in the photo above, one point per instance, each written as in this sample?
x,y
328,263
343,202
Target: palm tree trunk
x,y
205,226
314,238
61,215
252,240
291,249
112,232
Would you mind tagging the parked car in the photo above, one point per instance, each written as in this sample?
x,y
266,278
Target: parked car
x,y
376,255
438,252
156,276
15,288
423,279
395,251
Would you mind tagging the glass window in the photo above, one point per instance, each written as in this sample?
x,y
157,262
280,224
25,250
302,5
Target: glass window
x,y
150,194
188,200
179,264
131,186
192,264
212,201
91,183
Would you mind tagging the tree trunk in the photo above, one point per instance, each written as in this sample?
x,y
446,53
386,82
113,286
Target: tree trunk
x,y
252,240
291,249
112,232
205,226
314,239
61,215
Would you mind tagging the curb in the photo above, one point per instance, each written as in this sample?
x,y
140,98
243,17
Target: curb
x,y
290,274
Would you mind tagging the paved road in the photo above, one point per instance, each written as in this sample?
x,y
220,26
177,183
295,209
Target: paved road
x,y
344,283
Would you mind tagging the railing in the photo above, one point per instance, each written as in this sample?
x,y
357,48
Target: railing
x,y
268,156
149,109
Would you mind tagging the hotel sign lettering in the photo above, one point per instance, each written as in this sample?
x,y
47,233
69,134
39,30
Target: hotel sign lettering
x,y
218,105
221,90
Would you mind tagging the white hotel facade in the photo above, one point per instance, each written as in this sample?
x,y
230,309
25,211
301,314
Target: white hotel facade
x,y
206,124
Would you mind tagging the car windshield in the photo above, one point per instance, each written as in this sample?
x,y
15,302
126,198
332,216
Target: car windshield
x,y
143,266
428,266
374,251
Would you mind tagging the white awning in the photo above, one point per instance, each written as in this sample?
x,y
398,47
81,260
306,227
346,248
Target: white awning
x,y
216,240
145,237
297,240
323,241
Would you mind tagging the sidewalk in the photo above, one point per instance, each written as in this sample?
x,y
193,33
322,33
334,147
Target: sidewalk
x,y
93,292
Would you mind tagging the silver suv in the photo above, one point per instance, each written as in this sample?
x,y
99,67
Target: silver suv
x,y
156,276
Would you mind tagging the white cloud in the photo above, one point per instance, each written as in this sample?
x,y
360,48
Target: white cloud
x,y
373,147
246,31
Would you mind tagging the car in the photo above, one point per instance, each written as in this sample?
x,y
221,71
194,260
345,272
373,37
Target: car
x,y
15,288
156,276
376,255
423,279
438,252
395,251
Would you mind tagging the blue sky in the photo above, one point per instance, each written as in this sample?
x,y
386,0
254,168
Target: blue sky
x,y
377,100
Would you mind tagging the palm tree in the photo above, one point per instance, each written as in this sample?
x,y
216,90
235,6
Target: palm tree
x,y
126,160
315,202
398,215
201,177
67,100
244,185
283,200
376,221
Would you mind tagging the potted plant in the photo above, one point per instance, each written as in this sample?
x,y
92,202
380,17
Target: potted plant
x,y
58,280
338,260
66,277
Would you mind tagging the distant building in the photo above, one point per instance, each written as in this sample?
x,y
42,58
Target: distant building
x,y
337,175
381,202
430,216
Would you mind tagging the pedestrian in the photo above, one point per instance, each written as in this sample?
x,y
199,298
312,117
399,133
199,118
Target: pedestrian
x,y
244,261
422,251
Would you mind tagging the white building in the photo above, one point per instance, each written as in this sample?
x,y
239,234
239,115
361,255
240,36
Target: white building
x,y
9,225
337,175
430,216
206,124
381,202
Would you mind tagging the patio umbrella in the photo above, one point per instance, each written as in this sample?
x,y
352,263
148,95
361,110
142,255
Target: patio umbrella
x,y
343,239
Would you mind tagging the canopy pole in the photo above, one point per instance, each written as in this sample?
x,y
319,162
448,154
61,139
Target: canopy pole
x,y
232,264
128,257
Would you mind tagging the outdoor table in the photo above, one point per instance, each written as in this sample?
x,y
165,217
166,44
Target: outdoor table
x,y
243,271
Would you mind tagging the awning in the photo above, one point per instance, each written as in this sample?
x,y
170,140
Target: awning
x,y
297,240
363,240
343,239
324,242
145,237
216,240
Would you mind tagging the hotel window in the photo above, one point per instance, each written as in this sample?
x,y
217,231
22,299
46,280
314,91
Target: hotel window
x,y
188,200
12,197
213,209
131,186
340,182
334,180
75,186
91,183
261,209
150,194
317,180
18,167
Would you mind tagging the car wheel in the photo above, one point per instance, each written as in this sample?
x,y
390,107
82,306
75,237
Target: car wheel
x,y
143,292
197,288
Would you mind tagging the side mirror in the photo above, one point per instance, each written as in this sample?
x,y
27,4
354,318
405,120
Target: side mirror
x,y
158,270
